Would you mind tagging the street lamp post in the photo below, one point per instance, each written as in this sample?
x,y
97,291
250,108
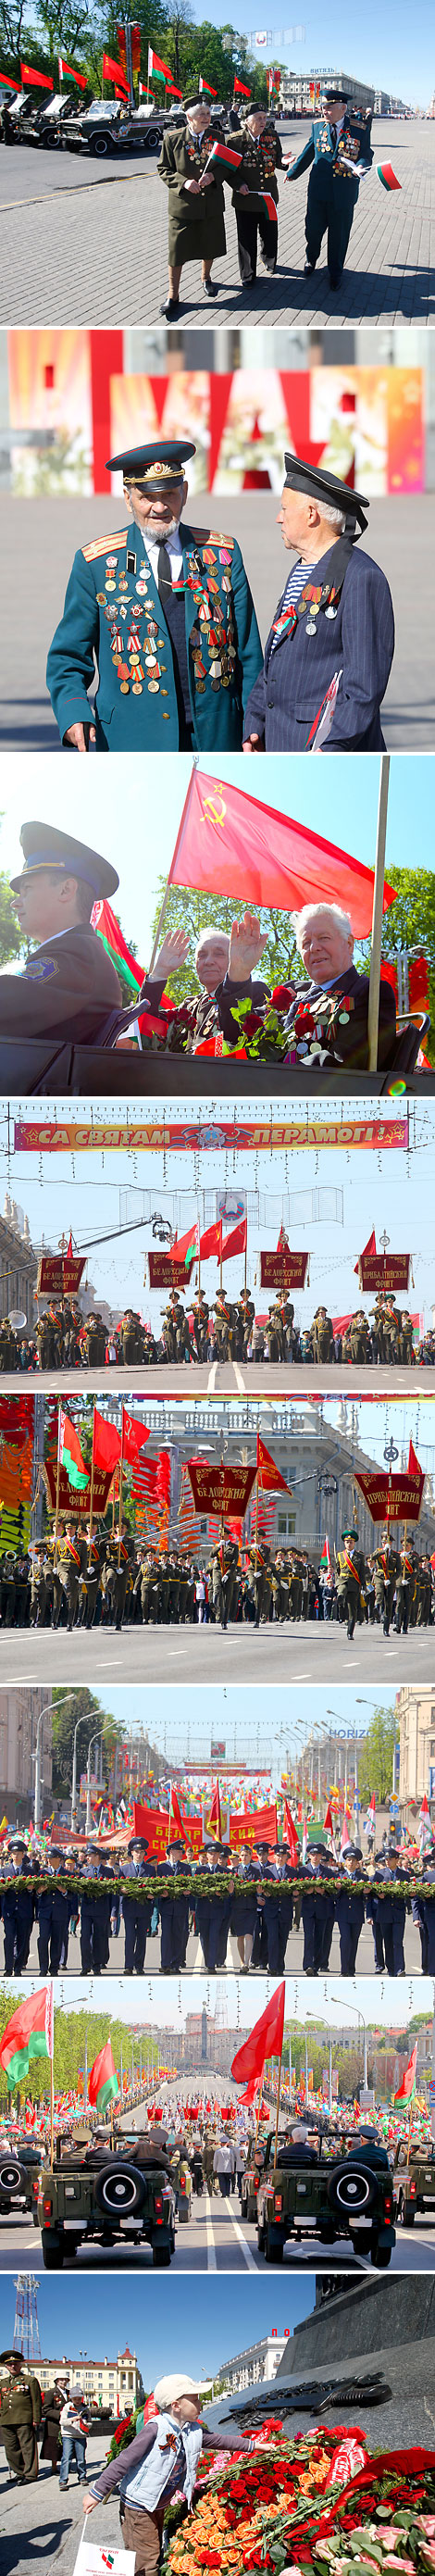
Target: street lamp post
x,y
46,1711
354,2008
88,1825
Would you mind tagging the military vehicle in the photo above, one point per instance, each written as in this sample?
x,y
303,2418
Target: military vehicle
x,y
350,2195
80,2201
414,2180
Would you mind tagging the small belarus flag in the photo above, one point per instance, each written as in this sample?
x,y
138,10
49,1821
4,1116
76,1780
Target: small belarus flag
x,y
325,1559
69,1454
387,175
103,2084
28,2035
407,2085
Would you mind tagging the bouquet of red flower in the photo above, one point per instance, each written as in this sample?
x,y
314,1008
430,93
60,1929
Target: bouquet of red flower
x,y
306,2507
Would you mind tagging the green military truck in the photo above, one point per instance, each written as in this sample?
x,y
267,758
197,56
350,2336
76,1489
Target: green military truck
x,y
350,2195
112,2202
414,2180
19,2172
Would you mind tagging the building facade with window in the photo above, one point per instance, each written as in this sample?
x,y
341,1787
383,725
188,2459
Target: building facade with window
x,y
259,2362
117,2385
415,1712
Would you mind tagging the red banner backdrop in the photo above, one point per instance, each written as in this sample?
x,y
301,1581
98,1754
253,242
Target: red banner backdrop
x,y
283,1269
153,1823
252,1136
384,1270
165,1273
220,1489
59,1274
72,1503
256,1825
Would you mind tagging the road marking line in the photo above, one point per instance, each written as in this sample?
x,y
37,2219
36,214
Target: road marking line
x,y
251,2265
240,1380
211,2248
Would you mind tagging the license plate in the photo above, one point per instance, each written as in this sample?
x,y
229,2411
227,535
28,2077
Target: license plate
x,y
361,2222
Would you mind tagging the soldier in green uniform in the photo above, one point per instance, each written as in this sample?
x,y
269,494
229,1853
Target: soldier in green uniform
x,y
20,2415
68,986
165,612
245,1313
323,1338
71,1565
200,1312
339,137
224,1326
350,1579
256,181
196,201
359,1338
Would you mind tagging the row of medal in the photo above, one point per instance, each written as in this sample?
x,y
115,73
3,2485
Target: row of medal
x,y
143,652
209,627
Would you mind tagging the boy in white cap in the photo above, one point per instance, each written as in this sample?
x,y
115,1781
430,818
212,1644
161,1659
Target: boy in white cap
x,y
163,2459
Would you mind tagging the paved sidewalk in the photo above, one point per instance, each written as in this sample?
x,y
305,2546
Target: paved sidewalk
x,y
38,540
94,249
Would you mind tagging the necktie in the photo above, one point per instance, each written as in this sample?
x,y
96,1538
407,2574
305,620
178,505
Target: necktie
x,y
333,134
164,575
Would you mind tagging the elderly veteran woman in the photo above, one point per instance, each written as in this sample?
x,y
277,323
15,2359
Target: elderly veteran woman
x,y
196,201
162,2460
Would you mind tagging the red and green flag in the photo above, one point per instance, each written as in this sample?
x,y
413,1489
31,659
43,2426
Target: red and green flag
x,y
103,2084
408,2080
387,176
131,976
27,2036
69,1454
157,70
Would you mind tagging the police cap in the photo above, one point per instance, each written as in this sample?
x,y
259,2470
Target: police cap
x,y
156,466
44,846
320,486
331,94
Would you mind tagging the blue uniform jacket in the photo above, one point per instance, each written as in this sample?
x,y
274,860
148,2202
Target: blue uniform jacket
x,y
358,642
111,602
320,150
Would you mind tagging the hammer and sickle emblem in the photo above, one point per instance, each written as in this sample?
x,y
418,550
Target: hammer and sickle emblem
x,y
211,806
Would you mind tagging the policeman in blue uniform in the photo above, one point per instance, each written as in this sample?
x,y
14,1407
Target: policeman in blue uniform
x,y
136,1910
317,1911
350,1910
68,987
53,1908
165,610
17,1905
339,137
387,1913
333,629
174,1911
96,1908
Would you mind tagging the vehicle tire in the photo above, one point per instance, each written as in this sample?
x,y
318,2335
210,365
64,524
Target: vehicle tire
x,y
351,2190
407,2212
11,2181
99,146
119,2190
261,2240
52,142
161,2257
380,2255
52,2251
273,2253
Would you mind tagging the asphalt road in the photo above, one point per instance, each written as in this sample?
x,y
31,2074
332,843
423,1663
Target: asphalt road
x,y
311,1651
215,2240
80,247
195,1962
239,1378
38,539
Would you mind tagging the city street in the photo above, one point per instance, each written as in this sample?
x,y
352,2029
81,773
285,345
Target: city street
x,y
216,2240
38,539
195,1964
239,1378
308,1651
78,244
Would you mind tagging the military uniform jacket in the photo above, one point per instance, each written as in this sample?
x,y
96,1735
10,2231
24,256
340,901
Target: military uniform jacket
x,y
113,617
333,1025
353,143
260,161
196,224
68,989
357,640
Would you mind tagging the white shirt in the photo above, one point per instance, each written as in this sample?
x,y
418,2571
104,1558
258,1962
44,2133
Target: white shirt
x,y
174,550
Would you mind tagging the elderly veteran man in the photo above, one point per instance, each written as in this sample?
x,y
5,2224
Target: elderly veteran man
x,y
224,966
334,997
68,986
329,652
339,151
161,2460
164,611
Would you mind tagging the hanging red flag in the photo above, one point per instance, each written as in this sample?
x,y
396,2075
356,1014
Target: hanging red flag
x,y
177,1824
106,1442
134,1435
229,843
289,1834
36,80
407,2082
214,1825
113,71
269,1475
235,1242
265,2040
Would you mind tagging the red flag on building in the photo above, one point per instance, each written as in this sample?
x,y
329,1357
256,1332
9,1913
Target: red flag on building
x,y
265,2040
228,843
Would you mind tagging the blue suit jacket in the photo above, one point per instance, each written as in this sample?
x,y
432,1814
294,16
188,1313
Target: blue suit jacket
x,y
93,618
358,641
323,153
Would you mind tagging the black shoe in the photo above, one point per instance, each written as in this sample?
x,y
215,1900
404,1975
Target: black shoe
x,y
309,267
247,285
171,308
335,282
209,286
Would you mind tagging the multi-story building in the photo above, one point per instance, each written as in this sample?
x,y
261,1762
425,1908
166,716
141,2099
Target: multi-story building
x,y
115,2384
259,2362
415,1713
300,91
18,1264
19,1713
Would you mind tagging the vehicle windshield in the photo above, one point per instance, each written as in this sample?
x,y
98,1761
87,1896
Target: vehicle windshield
x,y
102,108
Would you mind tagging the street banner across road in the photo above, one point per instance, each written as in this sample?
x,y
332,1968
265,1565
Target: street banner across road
x,y
263,1135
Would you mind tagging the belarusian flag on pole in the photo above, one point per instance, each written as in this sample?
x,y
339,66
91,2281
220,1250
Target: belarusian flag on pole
x,y
103,2084
325,1559
156,69
408,2082
193,1249
130,975
66,73
203,84
28,2035
69,1454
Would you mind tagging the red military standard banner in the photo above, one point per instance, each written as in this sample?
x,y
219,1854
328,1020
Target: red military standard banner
x,y
283,1269
165,1273
153,1824
59,1274
256,1825
394,1498
73,1502
384,1270
220,1489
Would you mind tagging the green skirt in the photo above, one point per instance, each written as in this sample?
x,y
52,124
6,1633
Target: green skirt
x,y
196,236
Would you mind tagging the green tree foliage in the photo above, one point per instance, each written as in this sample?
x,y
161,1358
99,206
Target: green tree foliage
x,y
66,1712
71,2032
375,1767
410,923
82,32
11,937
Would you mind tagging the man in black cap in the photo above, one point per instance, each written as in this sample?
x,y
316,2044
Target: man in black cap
x,y
68,986
329,652
196,200
136,1910
255,194
339,148
165,612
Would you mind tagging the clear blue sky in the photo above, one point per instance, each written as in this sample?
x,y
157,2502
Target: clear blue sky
x,y
161,2003
394,1191
175,1722
392,48
134,819
187,2324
